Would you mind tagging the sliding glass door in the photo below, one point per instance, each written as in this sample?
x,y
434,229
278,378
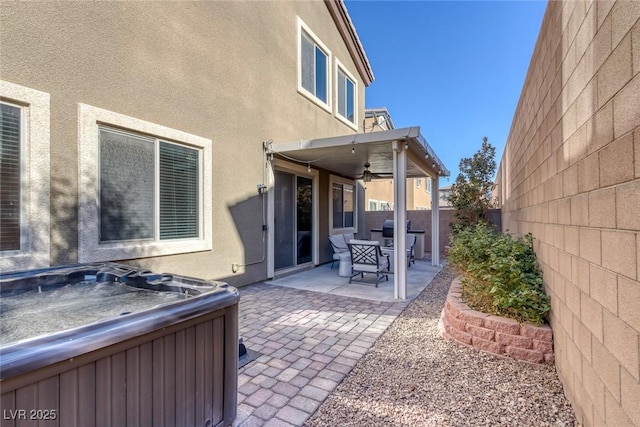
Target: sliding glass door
x,y
293,228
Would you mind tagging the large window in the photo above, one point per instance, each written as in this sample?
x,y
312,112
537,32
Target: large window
x,y
128,201
142,188
343,204
346,96
24,177
313,67
10,160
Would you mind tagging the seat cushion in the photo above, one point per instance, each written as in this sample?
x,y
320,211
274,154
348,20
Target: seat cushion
x,y
338,243
348,237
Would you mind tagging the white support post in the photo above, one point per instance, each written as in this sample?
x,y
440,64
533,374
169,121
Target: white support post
x,y
435,221
270,218
400,220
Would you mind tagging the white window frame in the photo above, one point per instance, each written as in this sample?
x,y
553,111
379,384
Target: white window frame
x,y
90,247
427,187
35,218
301,26
340,67
418,182
375,202
334,179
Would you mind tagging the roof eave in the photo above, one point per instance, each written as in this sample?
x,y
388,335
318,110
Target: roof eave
x,y
347,30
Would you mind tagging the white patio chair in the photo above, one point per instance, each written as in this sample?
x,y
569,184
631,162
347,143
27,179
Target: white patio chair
x,y
366,257
339,244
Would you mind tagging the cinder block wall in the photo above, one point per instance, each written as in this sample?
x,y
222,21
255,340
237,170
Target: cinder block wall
x,y
570,174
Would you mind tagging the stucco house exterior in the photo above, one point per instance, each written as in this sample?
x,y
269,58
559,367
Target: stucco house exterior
x,y
378,193
148,133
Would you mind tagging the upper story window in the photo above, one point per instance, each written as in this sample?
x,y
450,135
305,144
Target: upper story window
x,y
427,188
24,177
346,95
343,203
142,188
313,67
418,182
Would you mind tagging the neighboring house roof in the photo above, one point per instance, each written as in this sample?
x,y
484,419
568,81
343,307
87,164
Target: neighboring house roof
x,y
376,114
348,32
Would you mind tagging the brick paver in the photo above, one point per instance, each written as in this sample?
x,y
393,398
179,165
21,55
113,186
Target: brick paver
x,y
309,342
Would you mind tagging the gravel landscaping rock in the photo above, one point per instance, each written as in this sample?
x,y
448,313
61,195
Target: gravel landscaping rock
x,y
412,377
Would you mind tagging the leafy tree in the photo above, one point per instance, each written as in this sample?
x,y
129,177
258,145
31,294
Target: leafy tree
x,y
471,193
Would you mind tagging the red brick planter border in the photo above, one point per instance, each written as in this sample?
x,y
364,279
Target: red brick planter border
x,y
493,334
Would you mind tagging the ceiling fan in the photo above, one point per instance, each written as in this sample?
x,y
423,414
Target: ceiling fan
x,y
367,175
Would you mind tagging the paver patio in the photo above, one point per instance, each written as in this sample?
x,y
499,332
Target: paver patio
x,y
309,341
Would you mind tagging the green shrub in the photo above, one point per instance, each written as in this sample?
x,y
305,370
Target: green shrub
x,y
500,273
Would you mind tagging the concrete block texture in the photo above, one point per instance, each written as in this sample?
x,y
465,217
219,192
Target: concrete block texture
x,y
619,252
616,159
626,106
624,15
635,47
628,297
622,341
636,149
602,208
607,367
600,129
589,173
630,390
594,387
615,413
604,287
590,245
615,72
628,205
579,162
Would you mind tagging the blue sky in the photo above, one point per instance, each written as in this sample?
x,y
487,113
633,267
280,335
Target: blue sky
x,y
454,68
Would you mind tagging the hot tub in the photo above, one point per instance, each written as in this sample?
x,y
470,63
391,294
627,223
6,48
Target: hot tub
x,y
110,345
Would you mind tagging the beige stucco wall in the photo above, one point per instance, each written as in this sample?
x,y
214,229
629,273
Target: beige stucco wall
x,y
382,190
225,71
570,174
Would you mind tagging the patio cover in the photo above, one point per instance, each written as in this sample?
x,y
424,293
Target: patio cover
x,y
398,154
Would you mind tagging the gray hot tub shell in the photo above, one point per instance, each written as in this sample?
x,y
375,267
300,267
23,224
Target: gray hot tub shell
x,y
171,365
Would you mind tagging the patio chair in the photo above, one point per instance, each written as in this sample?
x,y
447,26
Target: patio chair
x,y
366,257
339,244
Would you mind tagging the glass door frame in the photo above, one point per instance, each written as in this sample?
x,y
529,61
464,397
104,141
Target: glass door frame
x,y
302,171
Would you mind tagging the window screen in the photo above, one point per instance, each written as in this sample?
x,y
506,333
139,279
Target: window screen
x,y
338,220
346,100
321,75
307,63
127,175
342,95
313,67
10,158
343,205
